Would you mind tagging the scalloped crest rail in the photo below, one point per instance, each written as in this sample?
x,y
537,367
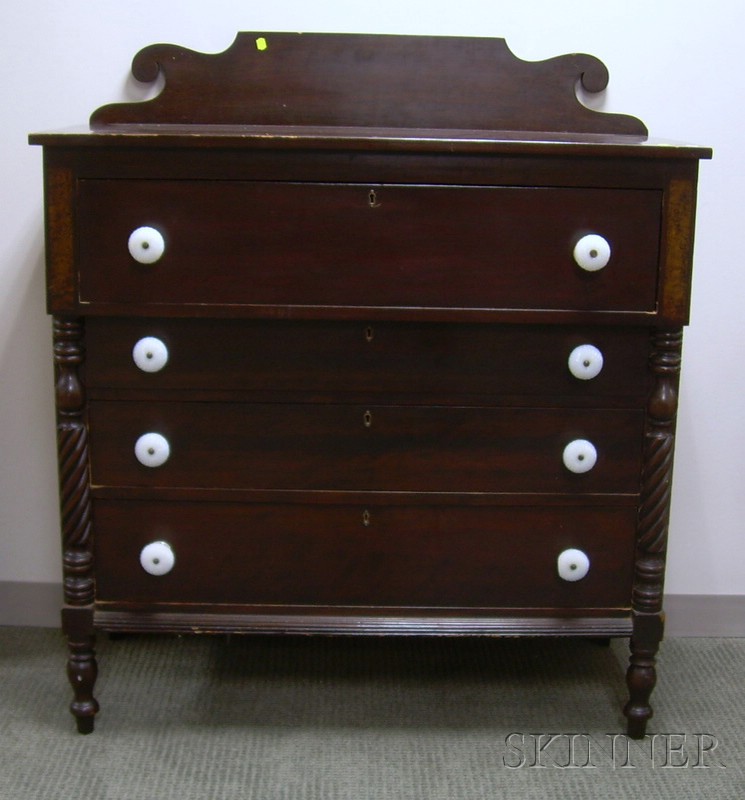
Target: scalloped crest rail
x,y
369,81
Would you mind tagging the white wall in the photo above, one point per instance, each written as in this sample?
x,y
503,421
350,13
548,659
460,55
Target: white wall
x,y
675,64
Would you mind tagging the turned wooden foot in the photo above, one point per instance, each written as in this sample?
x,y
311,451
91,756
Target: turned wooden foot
x,y
641,675
640,678
85,724
82,669
81,672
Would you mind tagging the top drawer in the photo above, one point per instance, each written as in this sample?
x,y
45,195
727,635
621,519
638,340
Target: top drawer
x,y
313,244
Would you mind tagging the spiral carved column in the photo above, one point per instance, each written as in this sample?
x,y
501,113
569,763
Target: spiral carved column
x,y
652,527
75,512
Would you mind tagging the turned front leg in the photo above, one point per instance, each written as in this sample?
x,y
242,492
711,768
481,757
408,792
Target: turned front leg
x,y
75,508
82,671
641,675
652,527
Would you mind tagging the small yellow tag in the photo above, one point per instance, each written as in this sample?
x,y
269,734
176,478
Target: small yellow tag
x,y
261,43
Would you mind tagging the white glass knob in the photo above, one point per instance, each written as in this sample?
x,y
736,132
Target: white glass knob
x,y
585,362
152,449
572,565
580,456
146,245
150,354
157,558
592,252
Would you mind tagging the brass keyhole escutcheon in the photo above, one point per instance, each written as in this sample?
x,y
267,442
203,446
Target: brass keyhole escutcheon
x,y
366,518
369,333
367,419
372,199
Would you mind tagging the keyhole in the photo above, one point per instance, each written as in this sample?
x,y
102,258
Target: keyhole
x,y
369,333
372,198
367,419
366,518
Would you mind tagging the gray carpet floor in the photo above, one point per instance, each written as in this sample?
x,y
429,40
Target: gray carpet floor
x,y
194,718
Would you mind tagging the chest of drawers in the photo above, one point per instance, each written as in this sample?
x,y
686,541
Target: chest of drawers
x,y
356,334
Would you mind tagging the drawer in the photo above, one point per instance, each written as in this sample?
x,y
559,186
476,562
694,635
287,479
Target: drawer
x,y
358,447
329,358
353,555
331,245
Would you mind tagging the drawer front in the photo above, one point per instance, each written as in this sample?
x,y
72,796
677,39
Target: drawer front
x,y
330,358
357,447
349,555
295,244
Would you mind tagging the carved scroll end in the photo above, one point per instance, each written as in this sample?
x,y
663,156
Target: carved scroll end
x,y
589,74
594,75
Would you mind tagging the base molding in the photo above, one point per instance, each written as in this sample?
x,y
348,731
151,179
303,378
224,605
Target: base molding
x,y
357,624
38,605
